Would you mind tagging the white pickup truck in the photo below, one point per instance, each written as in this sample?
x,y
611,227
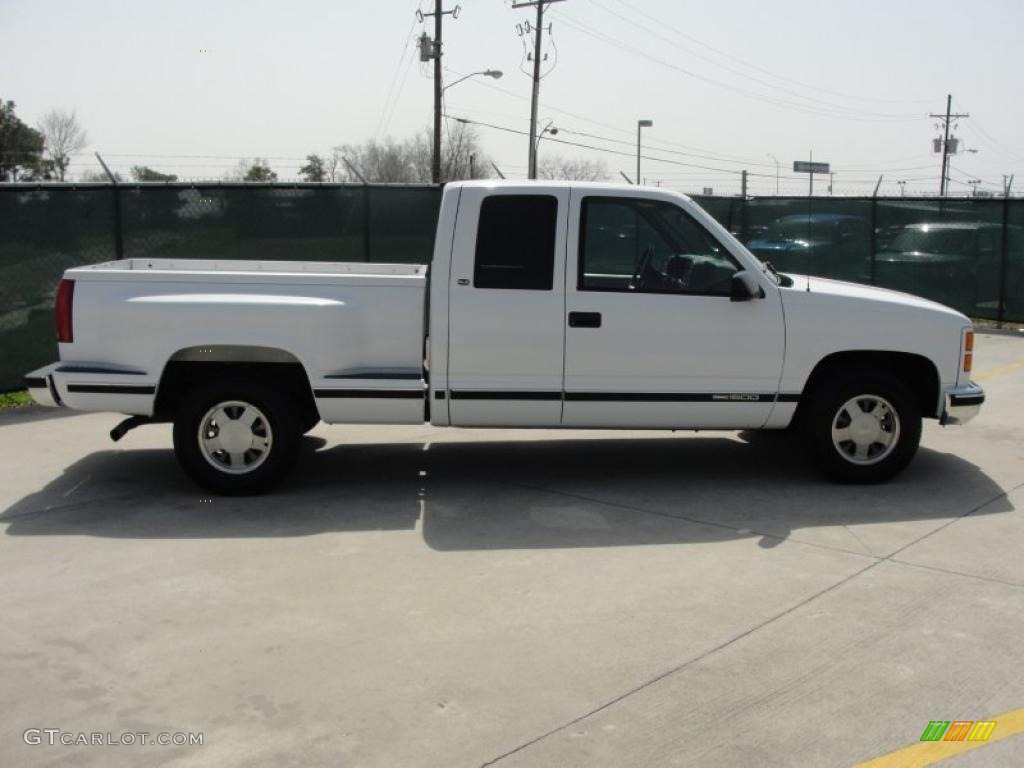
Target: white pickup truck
x,y
545,305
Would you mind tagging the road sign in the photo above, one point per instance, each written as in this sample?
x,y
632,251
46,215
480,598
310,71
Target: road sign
x,y
802,166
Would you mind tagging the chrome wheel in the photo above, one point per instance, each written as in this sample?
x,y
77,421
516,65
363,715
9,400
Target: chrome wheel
x,y
235,437
865,429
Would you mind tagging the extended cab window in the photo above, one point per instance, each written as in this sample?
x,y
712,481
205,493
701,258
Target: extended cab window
x,y
628,244
515,242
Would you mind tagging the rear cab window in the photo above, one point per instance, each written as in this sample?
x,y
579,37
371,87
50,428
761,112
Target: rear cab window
x,y
515,243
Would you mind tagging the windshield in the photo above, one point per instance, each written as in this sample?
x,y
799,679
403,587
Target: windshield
x,y
925,239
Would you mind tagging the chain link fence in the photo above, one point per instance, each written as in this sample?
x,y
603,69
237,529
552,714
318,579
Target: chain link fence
x,y
967,253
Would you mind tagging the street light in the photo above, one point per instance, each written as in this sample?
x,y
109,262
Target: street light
x,y
495,73
640,125
548,129
773,157
438,99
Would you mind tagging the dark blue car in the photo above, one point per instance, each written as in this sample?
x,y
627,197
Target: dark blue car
x,y
826,244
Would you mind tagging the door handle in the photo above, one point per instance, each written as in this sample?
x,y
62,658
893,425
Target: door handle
x,y
584,319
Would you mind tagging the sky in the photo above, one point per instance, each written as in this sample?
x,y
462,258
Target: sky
x,y
192,87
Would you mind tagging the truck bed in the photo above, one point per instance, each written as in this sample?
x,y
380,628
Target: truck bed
x,y
355,328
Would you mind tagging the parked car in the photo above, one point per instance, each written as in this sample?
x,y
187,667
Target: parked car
x,y
546,305
826,244
956,263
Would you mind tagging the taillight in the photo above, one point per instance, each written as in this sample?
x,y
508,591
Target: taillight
x,y
968,351
62,311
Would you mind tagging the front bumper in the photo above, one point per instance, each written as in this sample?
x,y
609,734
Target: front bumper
x,y
41,387
962,404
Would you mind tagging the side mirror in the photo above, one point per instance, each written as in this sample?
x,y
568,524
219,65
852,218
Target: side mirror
x,y
743,287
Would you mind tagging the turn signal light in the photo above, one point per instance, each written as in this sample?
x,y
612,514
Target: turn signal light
x,y
62,311
968,361
969,342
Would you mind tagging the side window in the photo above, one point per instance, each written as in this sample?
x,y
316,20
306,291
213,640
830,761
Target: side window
x,y
515,242
649,246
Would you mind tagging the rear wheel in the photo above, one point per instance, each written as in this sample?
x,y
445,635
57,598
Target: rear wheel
x,y
864,428
236,437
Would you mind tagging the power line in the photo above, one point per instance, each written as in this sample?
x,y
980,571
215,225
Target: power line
x,y
409,37
827,110
590,120
606,150
663,24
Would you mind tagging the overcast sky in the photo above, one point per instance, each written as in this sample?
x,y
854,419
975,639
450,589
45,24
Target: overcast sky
x,y
726,83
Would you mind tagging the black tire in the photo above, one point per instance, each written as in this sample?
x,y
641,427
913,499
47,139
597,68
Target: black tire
x,y
277,423
847,461
308,422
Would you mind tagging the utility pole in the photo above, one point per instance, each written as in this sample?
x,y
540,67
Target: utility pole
x,y
743,185
535,97
1007,184
435,54
944,178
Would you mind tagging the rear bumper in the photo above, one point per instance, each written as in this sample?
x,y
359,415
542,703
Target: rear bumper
x,y
40,386
962,404
92,387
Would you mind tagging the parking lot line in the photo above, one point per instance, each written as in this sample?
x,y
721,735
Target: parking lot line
x,y
926,753
993,372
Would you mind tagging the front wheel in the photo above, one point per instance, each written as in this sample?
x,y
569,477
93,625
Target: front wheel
x,y
236,437
863,428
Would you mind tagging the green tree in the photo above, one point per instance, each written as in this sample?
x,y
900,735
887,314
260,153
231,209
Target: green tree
x,y
257,170
315,169
21,148
145,173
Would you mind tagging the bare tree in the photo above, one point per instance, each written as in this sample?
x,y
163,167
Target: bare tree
x,y
462,157
332,165
63,135
390,161
378,161
569,169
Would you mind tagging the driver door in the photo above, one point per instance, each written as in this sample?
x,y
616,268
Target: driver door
x,y
652,338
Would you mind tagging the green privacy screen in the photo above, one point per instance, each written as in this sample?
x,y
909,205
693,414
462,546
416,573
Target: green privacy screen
x,y
968,253
47,229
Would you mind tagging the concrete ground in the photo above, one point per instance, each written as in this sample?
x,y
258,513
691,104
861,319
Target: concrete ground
x,y
419,597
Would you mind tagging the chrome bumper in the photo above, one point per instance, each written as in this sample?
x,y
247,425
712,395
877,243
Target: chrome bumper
x,y
962,404
40,386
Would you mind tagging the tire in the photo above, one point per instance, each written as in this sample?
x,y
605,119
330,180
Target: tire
x,y
309,422
863,427
236,437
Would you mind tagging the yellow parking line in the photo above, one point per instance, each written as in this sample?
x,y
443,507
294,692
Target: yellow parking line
x,y
926,753
993,372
